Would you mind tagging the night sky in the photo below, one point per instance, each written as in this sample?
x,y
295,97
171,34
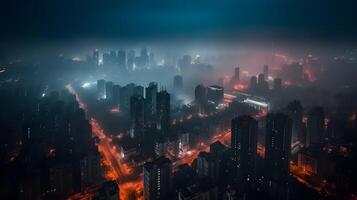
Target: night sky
x,y
64,19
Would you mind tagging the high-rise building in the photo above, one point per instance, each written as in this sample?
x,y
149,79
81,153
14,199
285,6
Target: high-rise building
x,y
315,126
277,154
144,57
157,179
163,111
184,62
109,91
137,117
116,95
96,57
131,60
201,98
277,84
150,105
125,93
207,166
121,60
215,94
101,89
236,74
178,83
106,59
295,112
139,90
253,83
266,71
152,61
262,83
244,131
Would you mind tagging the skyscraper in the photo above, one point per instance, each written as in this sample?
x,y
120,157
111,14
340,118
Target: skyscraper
x,y
137,117
144,57
295,112
157,179
201,98
163,111
266,71
150,105
121,60
109,91
215,94
139,90
253,83
277,84
178,83
116,95
262,83
131,60
236,74
277,154
315,126
101,89
96,57
244,131
125,93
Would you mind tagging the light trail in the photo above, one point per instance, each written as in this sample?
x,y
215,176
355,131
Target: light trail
x,y
129,185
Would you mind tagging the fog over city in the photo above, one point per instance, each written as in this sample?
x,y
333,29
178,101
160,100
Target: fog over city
x,y
178,100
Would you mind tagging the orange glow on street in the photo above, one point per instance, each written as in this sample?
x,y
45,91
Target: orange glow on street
x,y
240,87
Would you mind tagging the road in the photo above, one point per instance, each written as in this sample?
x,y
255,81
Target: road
x,y
116,170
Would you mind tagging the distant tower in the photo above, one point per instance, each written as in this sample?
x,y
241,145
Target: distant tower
x,y
109,91
101,89
144,57
277,154
215,94
116,95
277,84
262,83
157,179
121,60
315,126
96,57
295,112
236,74
201,98
178,83
137,117
139,90
131,60
266,71
253,83
150,105
163,111
244,131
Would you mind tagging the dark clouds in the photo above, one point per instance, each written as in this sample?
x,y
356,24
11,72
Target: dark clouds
x,y
64,19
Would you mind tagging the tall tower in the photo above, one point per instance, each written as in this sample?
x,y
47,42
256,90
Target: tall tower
x,y
244,131
157,179
253,83
178,83
315,126
295,112
150,105
201,98
163,111
236,74
266,71
277,154
101,89
96,57
137,117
